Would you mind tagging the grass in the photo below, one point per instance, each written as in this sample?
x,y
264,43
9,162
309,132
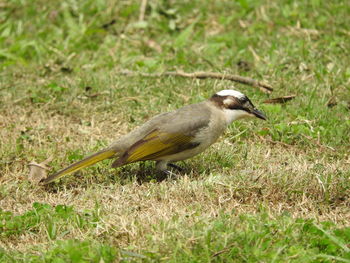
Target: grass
x,y
274,191
251,238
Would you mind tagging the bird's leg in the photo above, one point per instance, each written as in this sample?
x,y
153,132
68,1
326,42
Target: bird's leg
x,y
180,169
162,167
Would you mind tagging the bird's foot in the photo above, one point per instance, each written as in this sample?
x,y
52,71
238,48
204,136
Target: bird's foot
x,y
166,174
163,175
180,169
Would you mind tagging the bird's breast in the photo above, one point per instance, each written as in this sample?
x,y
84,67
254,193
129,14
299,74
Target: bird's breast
x,y
204,137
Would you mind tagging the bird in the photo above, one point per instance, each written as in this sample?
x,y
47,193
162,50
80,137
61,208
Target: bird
x,y
173,136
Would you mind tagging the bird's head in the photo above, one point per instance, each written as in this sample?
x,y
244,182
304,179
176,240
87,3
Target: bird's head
x,y
235,105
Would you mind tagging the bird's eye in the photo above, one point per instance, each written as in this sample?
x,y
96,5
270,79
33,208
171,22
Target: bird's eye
x,y
244,100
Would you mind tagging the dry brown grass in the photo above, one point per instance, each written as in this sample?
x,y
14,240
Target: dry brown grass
x,y
306,183
60,96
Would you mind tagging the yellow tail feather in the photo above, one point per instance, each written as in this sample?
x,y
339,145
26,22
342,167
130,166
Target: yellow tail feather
x,y
90,160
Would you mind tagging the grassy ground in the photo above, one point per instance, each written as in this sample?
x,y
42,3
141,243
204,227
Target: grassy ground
x,y
275,191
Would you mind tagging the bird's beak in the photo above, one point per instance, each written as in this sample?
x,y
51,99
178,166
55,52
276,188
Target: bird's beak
x,y
259,114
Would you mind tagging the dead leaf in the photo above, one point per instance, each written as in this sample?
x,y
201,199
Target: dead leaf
x,y
38,171
283,99
243,24
94,95
303,67
154,45
330,67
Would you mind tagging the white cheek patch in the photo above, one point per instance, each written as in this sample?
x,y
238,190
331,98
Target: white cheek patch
x,y
232,115
227,101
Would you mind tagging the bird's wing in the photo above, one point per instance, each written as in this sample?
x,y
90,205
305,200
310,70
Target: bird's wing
x,y
186,120
172,133
155,145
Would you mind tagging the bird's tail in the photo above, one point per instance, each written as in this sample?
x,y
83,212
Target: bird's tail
x,y
87,161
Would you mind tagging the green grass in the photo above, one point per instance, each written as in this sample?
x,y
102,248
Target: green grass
x,y
44,218
247,238
274,191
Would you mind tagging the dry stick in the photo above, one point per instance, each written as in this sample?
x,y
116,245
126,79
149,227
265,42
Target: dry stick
x,y
226,249
318,143
280,100
264,87
275,142
142,10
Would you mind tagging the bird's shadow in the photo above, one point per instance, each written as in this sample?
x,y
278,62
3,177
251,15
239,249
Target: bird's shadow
x,y
142,172
145,172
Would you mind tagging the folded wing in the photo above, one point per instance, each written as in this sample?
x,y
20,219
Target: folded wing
x,y
156,145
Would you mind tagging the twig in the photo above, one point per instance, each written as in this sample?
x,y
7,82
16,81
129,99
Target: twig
x,y
318,143
275,142
264,87
142,10
281,100
225,250
289,145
